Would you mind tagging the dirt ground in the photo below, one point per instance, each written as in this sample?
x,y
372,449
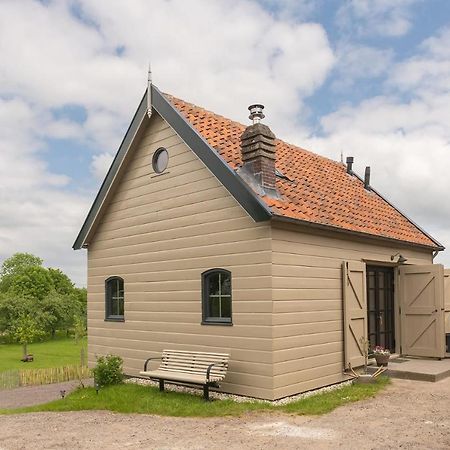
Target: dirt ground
x,y
408,415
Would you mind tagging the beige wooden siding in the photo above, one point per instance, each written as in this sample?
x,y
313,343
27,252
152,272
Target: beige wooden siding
x,y
159,233
447,300
307,293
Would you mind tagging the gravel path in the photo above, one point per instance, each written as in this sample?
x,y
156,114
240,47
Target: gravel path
x,y
409,414
35,395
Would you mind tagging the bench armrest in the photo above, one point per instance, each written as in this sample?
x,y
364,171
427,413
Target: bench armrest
x,y
208,370
146,362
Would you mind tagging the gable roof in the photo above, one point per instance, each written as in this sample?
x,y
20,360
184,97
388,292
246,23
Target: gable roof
x,y
314,190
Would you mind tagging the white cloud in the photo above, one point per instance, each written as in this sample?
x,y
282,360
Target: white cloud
x,y
100,165
428,73
404,137
38,215
376,17
355,62
292,10
223,55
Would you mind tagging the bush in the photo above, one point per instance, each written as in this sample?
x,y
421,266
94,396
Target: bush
x,y
108,370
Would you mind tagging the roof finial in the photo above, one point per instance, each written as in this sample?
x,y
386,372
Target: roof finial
x,y
149,91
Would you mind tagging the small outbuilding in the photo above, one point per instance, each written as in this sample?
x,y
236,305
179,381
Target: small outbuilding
x,y
213,236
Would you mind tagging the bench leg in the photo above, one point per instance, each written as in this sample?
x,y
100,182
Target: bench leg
x,y
161,385
206,392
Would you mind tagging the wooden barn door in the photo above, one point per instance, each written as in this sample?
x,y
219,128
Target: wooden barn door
x,y
355,312
422,310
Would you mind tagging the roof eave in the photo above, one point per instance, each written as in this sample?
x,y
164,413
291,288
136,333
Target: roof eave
x,y
439,246
361,234
102,193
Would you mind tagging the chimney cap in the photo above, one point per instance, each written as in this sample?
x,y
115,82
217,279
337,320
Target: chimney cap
x,y
349,160
256,112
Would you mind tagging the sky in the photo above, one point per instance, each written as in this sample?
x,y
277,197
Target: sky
x,y
365,78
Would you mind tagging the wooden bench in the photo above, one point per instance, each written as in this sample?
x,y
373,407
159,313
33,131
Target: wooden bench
x,y
198,368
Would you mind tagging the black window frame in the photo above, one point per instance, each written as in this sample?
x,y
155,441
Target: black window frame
x,y
206,318
108,300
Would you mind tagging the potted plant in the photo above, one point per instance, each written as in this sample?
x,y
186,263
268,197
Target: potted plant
x,y
366,377
382,355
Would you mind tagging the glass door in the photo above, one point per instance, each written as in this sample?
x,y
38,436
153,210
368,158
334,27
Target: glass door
x,y
380,307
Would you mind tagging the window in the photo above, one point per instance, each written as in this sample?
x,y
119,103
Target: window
x,y
160,160
216,296
114,299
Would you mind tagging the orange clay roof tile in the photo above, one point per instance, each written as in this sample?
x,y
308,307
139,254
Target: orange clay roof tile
x,y
321,191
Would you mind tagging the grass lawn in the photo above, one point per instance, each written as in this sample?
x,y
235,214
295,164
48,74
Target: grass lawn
x,y
54,353
131,398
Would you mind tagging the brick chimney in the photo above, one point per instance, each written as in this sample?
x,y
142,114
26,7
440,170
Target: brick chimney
x,y
258,153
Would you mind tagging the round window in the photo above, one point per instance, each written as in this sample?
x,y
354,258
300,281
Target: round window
x,y
160,160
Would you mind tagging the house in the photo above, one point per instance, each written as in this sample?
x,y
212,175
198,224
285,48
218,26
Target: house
x,y
214,236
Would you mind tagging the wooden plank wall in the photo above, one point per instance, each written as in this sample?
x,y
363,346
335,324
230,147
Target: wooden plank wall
x,y
159,233
307,293
447,300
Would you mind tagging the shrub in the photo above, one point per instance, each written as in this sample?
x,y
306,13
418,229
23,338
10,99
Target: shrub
x,y
108,370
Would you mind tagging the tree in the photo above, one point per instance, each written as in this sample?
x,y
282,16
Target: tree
x,y
61,282
19,261
33,282
48,295
25,330
81,295
60,311
79,332
15,265
11,308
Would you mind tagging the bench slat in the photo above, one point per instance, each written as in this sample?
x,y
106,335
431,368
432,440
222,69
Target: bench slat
x,y
192,358
194,372
203,362
200,365
185,352
191,369
176,376
190,372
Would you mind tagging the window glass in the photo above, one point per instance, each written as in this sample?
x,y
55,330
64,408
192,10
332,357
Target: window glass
x,y
114,301
216,296
213,284
160,160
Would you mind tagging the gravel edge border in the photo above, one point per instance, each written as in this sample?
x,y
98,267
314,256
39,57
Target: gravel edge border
x,y
214,395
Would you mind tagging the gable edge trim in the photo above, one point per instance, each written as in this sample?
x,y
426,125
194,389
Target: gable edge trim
x,y
232,182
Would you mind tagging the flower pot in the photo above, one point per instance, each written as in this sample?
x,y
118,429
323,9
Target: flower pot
x,y
382,360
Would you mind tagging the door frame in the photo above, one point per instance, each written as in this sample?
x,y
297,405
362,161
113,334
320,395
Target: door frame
x,y
396,280
394,311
